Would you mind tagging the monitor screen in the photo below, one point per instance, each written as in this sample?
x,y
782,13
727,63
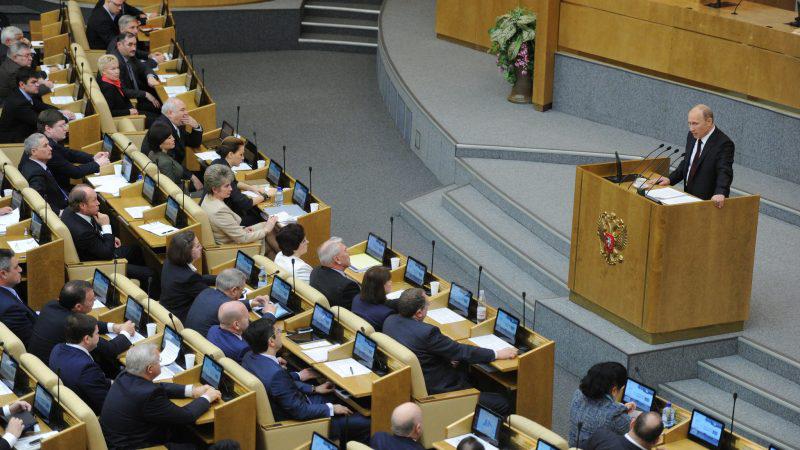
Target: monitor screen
x,y
505,326
2,178
459,299
227,130
36,227
172,211
134,312
322,320
280,292
775,447
171,336
149,189
127,168
211,373
640,394
108,143
364,350
320,443
544,445
8,370
274,173
300,194
100,285
705,428
376,247
486,425
16,199
43,403
246,264
415,272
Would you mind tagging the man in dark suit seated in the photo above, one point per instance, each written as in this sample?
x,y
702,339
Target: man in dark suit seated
x,y
137,79
74,364
33,166
14,311
138,413
101,27
22,107
645,434
77,297
329,278
289,396
444,362
230,287
19,55
66,163
130,24
176,116
93,238
406,430
10,35
707,165
234,318
128,10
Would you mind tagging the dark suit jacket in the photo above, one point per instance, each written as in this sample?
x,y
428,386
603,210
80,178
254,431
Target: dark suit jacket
x,y
715,172
238,202
127,9
435,351
338,289
18,120
90,244
374,314
101,28
608,440
138,413
183,139
49,331
63,164
140,72
287,396
233,347
81,374
8,76
17,316
119,104
43,182
386,441
180,285
142,53
203,311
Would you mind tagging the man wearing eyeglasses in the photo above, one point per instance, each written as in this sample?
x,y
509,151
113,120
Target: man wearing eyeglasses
x,y
19,55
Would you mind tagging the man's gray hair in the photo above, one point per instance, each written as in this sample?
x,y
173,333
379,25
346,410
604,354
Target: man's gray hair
x,y
78,196
328,250
217,175
229,279
8,33
16,48
124,21
32,142
139,357
6,254
170,106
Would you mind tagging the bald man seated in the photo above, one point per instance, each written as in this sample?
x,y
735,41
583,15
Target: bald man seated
x,y
644,434
406,430
234,318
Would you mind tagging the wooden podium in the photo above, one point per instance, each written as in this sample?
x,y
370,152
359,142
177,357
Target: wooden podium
x,y
684,271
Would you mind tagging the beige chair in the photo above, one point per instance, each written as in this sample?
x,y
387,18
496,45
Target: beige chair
x,y
536,431
11,343
352,321
78,30
78,408
161,314
130,288
304,289
12,154
39,370
272,435
438,410
108,123
353,445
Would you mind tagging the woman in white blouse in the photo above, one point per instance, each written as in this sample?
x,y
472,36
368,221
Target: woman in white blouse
x,y
293,244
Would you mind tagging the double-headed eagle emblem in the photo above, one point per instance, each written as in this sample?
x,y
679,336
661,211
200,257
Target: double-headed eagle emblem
x,y
613,236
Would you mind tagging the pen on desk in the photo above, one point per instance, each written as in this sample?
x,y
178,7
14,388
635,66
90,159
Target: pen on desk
x,y
351,370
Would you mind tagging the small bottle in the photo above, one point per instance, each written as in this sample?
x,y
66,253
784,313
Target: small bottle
x,y
480,313
279,197
668,416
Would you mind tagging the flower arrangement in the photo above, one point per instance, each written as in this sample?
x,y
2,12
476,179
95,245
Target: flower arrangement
x,y
512,40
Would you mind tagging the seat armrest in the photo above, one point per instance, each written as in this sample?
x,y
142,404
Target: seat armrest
x,y
221,254
84,270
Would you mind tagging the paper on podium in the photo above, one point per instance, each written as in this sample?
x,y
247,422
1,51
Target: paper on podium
x,y
27,442
137,212
347,367
23,245
284,218
444,316
168,372
98,304
361,262
454,441
291,209
680,200
169,354
490,341
158,228
165,77
394,295
172,91
242,166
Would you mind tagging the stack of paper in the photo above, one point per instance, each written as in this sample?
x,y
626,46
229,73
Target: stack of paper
x,y
361,262
168,371
670,196
444,316
165,77
455,440
33,441
242,166
285,218
172,91
108,184
98,304
61,99
4,390
23,245
210,155
158,228
490,341
9,219
134,339
137,212
347,367
318,350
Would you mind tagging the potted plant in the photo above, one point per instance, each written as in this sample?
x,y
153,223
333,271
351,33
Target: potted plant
x,y
513,38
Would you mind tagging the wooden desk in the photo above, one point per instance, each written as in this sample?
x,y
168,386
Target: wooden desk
x,y
44,265
517,440
359,386
341,334
676,438
361,248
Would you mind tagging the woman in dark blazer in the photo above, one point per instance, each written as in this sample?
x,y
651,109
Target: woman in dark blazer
x,y
111,88
161,142
180,282
371,304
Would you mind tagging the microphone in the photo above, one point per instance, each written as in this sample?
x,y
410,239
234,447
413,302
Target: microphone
x,y
115,277
650,161
639,166
654,185
641,189
293,280
578,437
733,411
284,158
480,271
433,248
309,180
237,121
149,293
737,7
172,319
81,70
391,230
203,76
89,92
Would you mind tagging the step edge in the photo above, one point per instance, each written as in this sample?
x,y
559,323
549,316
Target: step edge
x,y
370,11
751,387
339,25
303,40
784,359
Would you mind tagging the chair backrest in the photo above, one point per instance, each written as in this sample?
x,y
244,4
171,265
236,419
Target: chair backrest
x,y
264,417
76,24
199,215
354,445
54,222
130,288
403,354
11,343
94,434
107,124
202,345
163,315
12,154
301,287
536,431
39,370
352,321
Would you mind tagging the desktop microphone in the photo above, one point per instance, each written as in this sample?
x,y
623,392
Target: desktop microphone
x,y
653,159
81,70
644,193
733,410
89,92
172,319
293,280
737,7
480,271
641,187
433,248
639,166
236,133
115,276
309,180
149,293
578,437
284,159
203,76
391,230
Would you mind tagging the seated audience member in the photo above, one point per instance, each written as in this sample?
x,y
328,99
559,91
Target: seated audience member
x,y
10,35
19,55
33,166
93,238
138,413
289,396
66,163
15,425
291,239
470,443
101,27
230,287
137,79
644,433
161,142
77,297
127,10
444,362
130,24
594,403
14,311
234,318
225,222
231,153
110,85
180,282
22,107
329,278
175,115
370,304
73,361
406,430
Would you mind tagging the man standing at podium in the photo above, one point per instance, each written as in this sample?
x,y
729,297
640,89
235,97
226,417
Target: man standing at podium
x,y
707,165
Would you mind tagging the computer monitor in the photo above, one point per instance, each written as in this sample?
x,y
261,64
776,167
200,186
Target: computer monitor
x,y
322,320
8,370
250,154
320,443
486,425
39,231
108,143
415,272
281,295
174,214
226,130
247,265
44,405
640,394
772,446
171,336
376,247
149,189
706,430
16,199
135,313
364,350
274,173
103,289
459,299
506,326
300,195
128,169
541,444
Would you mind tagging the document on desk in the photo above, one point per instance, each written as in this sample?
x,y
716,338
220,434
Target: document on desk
x,y
23,245
4,390
167,76
347,367
108,184
241,166
33,441
210,155
444,315
284,218
169,354
490,341
172,91
9,219
78,116
137,212
292,210
134,339
318,350
686,198
360,262
454,441
168,372
158,228
98,304
61,99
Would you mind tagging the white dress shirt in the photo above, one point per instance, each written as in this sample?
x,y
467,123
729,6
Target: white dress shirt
x,y
302,271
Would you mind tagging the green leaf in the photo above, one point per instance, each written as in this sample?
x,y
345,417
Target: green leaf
x,y
513,49
528,35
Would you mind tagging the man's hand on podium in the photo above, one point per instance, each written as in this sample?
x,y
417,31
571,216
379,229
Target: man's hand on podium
x,y
718,200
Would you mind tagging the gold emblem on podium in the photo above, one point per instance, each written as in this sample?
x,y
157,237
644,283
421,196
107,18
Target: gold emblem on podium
x,y
613,236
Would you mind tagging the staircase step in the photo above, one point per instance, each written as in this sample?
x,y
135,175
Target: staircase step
x,y
754,384
339,25
338,42
769,359
751,421
352,10
509,237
